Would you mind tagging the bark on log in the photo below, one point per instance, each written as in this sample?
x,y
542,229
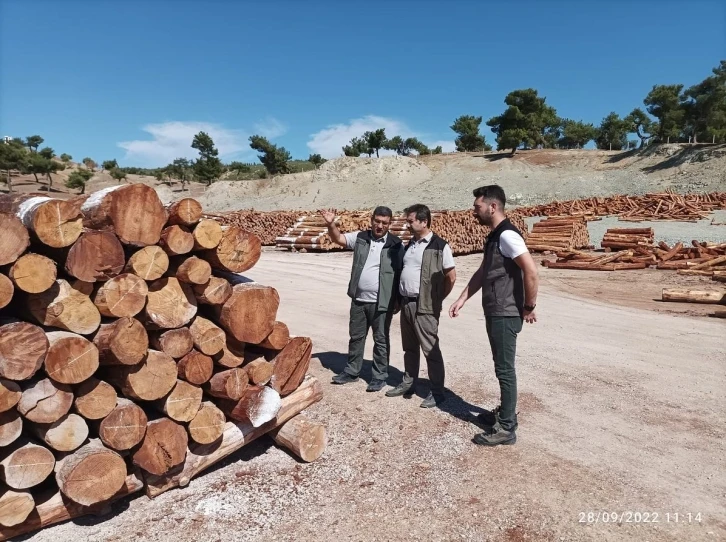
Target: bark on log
x,y
7,290
214,292
185,212
65,435
258,405
259,371
134,212
66,306
207,235
15,507
170,304
194,271
56,223
182,403
23,348
95,256
9,394
92,474
287,360
33,273
95,399
235,436
249,314
176,240
208,338
149,380
122,342
163,448
175,342
237,252
227,358
208,424
149,263
14,240
230,384
693,296
124,427
11,427
303,437
45,401
26,465
71,359
124,295
278,338
196,368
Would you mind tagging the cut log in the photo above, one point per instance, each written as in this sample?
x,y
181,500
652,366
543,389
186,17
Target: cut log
x,y
303,437
287,361
163,448
95,256
9,394
45,401
230,384
235,436
23,348
207,234
176,240
227,358
33,273
298,375
134,212
15,507
95,399
214,292
249,314
26,465
208,425
208,338
15,239
278,339
196,368
258,405
124,427
66,306
193,270
237,252
182,403
11,427
185,212
259,371
170,304
149,263
71,359
124,295
7,290
56,223
693,296
149,380
65,435
122,342
175,342
92,474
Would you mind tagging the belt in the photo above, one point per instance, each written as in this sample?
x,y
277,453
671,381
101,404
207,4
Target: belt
x,y
410,299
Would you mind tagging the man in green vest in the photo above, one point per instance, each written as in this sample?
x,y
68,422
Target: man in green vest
x,y
428,276
373,289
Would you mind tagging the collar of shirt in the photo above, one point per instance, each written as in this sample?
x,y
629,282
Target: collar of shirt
x,y
380,240
425,239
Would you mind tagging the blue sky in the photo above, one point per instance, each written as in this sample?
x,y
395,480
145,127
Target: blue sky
x,y
135,80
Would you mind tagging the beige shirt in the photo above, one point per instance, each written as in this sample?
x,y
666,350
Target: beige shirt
x,y
412,260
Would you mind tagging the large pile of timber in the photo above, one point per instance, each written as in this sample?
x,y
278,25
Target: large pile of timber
x,y
620,238
133,354
559,233
267,225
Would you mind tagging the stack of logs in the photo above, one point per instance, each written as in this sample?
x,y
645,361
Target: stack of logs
x,y
558,234
133,354
621,238
267,225
685,295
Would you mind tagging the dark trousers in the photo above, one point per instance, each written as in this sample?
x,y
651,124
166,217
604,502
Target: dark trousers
x,y
502,332
421,332
364,316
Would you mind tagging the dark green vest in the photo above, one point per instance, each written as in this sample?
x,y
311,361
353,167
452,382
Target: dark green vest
x,y
431,289
389,273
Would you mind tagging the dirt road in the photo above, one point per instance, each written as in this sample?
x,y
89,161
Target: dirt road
x,y
622,410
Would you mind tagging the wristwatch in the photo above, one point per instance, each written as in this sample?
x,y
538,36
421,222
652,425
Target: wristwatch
x,y
530,308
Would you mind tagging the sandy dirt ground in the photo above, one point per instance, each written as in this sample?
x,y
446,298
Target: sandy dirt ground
x,y
621,411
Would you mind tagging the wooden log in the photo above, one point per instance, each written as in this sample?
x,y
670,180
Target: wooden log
x,y
124,295
122,342
56,223
7,290
185,212
25,464
196,368
64,435
175,342
149,263
208,338
719,276
214,292
249,314
45,401
258,405
66,306
95,256
182,403
298,375
33,273
236,435
15,507
94,399
176,240
149,380
11,427
14,240
193,270
9,394
287,360
711,263
230,384
303,437
170,304
208,424
278,338
71,359
134,212
23,347
92,474
259,371
693,296
207,234
237,252
124,427
163,448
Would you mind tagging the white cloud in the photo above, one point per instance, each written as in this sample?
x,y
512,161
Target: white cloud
x,y
270,128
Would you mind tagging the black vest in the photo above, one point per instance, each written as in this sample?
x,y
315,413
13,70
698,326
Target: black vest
x,y
502,283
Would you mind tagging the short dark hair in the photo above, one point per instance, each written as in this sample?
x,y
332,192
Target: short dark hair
x,y
422,213
381,210
491,191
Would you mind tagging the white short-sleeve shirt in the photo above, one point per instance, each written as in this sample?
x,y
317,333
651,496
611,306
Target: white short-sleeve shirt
x,y
511,244
411,275
367,291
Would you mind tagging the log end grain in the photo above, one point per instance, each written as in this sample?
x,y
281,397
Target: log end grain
x,y
149,263
71,359
95,399
124,427
208,424
23,347
96,255
33,273
91,474
45,401
163,448
15,239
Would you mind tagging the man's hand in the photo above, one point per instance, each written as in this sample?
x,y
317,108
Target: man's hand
x,y
530,317
456,307
328,216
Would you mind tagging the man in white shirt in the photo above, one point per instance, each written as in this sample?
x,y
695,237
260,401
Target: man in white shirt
x,y
373,289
